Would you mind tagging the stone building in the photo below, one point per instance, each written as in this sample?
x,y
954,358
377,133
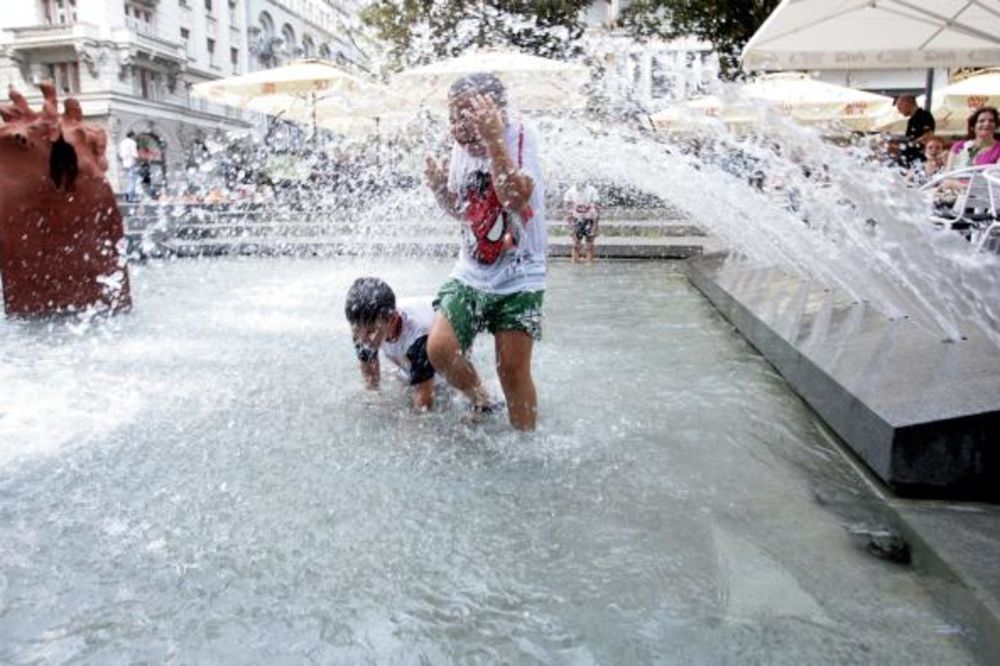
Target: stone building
x,y
652,73
281,31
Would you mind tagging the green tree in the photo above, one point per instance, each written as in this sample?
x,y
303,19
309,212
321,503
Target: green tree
x,y
727,24
422,30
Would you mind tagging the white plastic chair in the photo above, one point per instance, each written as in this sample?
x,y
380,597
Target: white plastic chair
x,y
976,208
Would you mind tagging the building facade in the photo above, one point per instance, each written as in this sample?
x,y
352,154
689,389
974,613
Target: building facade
x,y
281,31
652,73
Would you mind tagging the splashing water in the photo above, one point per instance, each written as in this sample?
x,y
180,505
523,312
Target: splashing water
x,y
205,479
783,196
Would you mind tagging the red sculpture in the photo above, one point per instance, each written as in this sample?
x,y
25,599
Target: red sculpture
x,y
60,226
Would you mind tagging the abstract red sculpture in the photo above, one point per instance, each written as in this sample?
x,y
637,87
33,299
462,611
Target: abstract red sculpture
x,y
60,227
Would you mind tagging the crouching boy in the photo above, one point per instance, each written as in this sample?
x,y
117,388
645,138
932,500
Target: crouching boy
x,y
397,330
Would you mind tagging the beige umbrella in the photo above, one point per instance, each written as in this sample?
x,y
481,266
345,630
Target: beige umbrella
x,y
297,91
797,96
813,102
876,34
706,114
533,83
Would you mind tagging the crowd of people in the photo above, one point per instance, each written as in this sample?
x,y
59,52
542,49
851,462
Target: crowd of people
x,y
926,155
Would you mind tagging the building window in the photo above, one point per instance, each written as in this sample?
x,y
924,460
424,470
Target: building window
x,y
288,34
266,25
324,51
147,83
59,12
65,76
210,45
139,19
234,59
208,6
186,41
308,48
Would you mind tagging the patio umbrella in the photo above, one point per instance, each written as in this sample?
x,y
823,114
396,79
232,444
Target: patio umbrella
x,y
706,114
876,34
533,83
804,99
295,91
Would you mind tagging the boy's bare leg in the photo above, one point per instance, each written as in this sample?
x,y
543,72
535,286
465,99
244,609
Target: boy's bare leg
x,y
591,251
576,250
446,356
513,349
423,395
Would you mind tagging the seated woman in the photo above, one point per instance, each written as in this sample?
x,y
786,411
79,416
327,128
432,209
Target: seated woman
x,y
981,147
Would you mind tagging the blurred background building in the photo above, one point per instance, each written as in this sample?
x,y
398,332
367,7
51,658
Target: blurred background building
x,y
131,63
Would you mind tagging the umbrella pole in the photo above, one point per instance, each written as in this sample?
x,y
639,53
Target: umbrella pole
x,y
315,123
929,88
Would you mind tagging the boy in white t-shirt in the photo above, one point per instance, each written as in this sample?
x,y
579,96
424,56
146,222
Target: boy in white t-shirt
x,y
493,185
396,329
582,217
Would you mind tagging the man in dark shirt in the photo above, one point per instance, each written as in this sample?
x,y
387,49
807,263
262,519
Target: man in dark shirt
x,y
919,128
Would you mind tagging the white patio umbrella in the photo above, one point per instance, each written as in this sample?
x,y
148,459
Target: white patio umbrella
x,y
296,91
798,96
706,114
533,83
879,34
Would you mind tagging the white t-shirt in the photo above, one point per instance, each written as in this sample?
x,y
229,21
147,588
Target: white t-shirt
x,y
582,203
128,152
417,316
521,268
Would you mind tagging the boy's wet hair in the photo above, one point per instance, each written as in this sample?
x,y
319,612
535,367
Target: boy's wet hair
x,y
484,83
369,300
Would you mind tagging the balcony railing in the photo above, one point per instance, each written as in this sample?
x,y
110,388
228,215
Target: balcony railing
x,y
50,35
140,27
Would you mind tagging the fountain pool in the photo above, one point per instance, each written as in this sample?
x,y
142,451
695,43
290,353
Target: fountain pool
x,y
205,480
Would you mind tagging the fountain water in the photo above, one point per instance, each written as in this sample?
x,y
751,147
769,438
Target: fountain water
x,y
206,479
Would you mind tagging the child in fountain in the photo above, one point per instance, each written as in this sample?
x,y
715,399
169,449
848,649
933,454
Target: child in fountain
x,y
396,329
493,185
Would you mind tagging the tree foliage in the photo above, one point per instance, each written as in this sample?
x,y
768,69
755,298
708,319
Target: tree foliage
x,y
727,24
422,30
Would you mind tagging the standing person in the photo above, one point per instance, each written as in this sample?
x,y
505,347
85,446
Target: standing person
x,y
493,184
582,217
128,153
919,128
981,146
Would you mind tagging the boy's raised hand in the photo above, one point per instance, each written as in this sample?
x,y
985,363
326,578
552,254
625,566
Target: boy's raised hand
x,y
487,118
436,174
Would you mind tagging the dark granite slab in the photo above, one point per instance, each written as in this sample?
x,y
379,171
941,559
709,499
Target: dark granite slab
x,y
922,412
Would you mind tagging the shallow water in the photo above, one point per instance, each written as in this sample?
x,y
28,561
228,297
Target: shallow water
x,y
205,480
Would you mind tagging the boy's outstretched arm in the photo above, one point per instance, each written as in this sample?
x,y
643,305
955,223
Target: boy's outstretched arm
x,y
423,395
371,373
437,179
